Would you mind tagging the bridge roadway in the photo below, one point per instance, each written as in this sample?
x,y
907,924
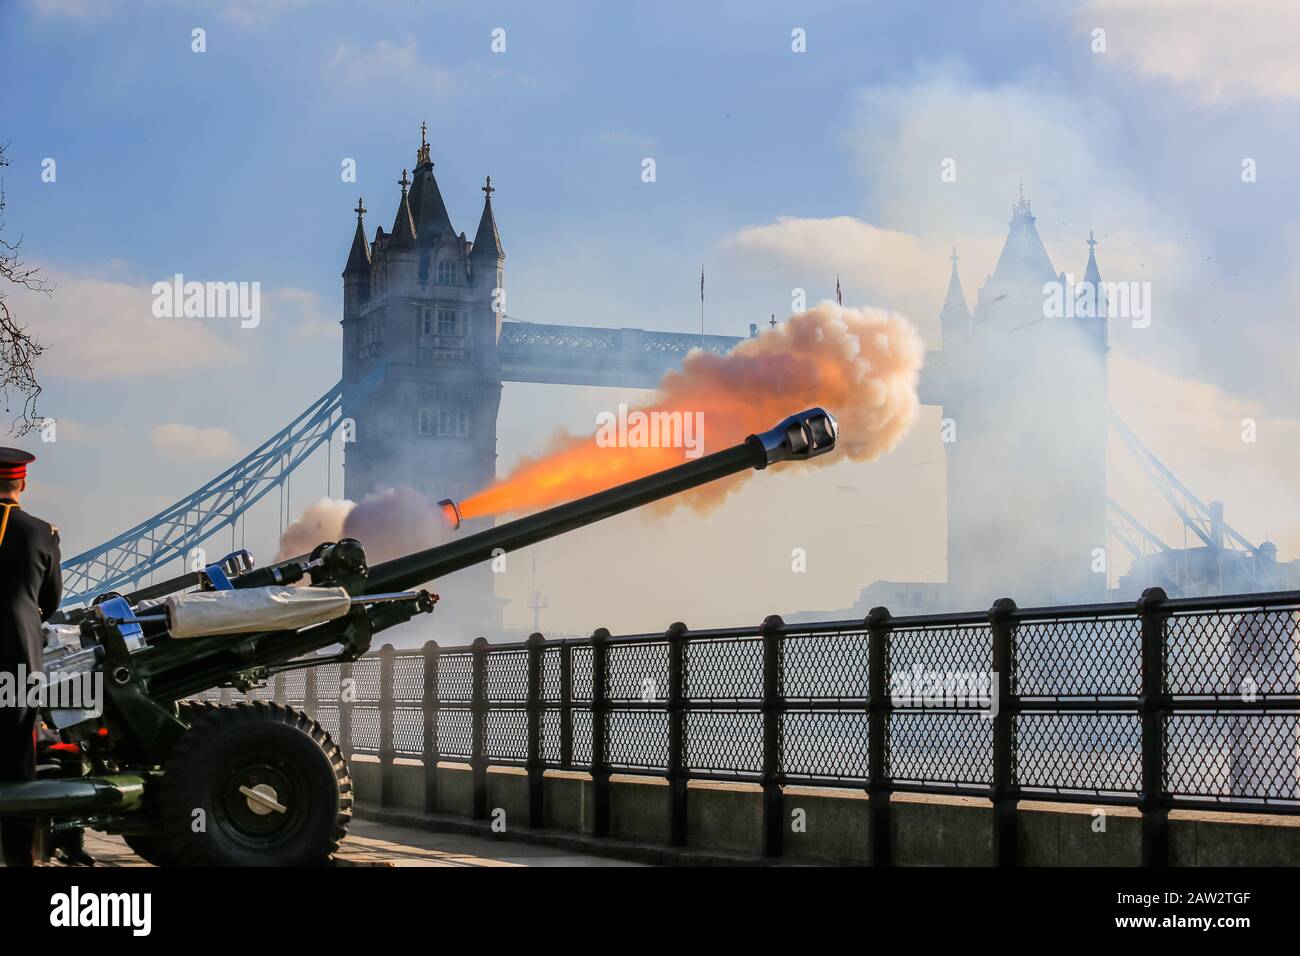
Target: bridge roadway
x,y
378,844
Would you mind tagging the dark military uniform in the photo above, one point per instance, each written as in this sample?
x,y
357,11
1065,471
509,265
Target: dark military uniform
x,y
31,587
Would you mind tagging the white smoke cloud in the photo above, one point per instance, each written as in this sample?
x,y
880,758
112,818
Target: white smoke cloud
x,y
320,521
1066,148
1220,50
388,523
1196,429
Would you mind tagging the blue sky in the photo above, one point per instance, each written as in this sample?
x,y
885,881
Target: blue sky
x,y
774,170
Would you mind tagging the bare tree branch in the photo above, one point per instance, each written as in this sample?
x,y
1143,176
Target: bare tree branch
x,y
18,348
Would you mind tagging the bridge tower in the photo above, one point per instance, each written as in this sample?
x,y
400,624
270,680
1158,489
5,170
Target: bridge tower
x,y
421,376
1023,380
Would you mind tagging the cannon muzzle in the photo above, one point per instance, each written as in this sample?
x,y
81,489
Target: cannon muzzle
x,y
450,512
800,437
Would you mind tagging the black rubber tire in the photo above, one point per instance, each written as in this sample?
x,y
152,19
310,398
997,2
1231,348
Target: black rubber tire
x,y
248,744
190,710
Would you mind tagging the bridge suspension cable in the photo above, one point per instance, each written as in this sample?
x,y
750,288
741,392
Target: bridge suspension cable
x,y
1204,521
173,532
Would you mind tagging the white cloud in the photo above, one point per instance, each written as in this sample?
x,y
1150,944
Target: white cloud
x,y
300,310
73,9
385,66
188,442
1222,50
103,330
70,429
249,12
620,138
877,266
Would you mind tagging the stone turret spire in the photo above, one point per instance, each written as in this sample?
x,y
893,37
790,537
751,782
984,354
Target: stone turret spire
x,y
422,154
1023,258
955,318
487,241
403,227
1092,273
428,211
359,256
1091,296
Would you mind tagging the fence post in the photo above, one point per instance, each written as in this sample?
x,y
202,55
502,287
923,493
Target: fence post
x,y
387,751
879,626
478,718
430,707
310,692
1005,800
347,692
535,766
1151,707
773,808
599,735
678,775
566,706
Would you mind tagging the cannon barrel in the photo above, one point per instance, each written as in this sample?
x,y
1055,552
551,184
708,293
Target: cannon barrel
x,y
799,437
167,670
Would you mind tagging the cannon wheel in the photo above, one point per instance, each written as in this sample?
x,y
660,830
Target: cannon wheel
x,y
254,784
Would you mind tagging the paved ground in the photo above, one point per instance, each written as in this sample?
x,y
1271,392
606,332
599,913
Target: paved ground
x,y
378,844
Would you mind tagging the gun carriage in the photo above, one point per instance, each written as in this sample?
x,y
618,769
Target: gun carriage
x,y
255,783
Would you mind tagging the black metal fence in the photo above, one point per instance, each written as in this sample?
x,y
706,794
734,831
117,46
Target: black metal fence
x,y
1188,703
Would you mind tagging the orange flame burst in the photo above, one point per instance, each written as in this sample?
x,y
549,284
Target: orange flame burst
x,y
862,365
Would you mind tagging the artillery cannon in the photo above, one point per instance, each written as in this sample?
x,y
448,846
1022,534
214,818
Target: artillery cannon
x,y
255,783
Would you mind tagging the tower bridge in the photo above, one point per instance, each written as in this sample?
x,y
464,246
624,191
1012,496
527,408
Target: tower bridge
x,y
428,303
428,345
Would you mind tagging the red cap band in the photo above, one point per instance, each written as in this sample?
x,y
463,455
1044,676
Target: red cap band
x,y
14,462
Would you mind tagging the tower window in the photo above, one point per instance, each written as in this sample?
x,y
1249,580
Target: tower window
x,y
424,424
426,321
447,322
453,422
446,272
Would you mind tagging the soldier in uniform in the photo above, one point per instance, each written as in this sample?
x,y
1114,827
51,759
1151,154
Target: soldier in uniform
x,y
31,587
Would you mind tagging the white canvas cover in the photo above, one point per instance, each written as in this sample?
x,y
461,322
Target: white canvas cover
x,y
61,637
206,613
